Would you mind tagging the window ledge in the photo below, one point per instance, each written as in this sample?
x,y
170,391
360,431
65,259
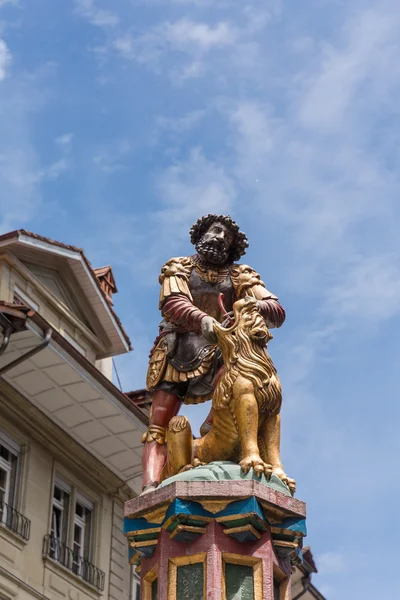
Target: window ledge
x,y
53,565
12,537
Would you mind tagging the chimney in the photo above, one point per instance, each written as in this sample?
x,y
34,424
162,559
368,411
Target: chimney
x,y
107,282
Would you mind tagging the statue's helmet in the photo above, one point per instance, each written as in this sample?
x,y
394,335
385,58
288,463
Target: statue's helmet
x,y
239,242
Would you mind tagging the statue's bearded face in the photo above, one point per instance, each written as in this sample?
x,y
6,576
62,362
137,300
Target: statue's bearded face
x,y
215,244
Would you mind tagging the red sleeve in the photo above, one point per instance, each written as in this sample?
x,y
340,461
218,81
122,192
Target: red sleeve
x,y
272,311
179,310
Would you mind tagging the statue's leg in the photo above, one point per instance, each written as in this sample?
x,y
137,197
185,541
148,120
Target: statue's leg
x,y
164,406
272,441
246,414
179,448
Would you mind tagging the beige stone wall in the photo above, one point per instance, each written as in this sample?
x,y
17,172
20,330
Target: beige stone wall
x,y
24,573
120,571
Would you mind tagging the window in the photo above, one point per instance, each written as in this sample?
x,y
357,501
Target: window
x,y
9,466
9,452
186,578
242,577
60,520
71,533
82,533
8,475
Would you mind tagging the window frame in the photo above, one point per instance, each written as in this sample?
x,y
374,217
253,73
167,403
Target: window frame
x,y
246,561
77,494
283,582
63,539
181,561
86,529
11,495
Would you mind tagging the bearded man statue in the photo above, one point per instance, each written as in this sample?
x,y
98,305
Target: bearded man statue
x,y
185,360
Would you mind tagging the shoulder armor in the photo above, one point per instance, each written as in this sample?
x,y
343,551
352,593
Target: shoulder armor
x,y
247,282
174,278
179,266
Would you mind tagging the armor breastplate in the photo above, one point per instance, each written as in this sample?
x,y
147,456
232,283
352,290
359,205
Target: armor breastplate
x,y
191,347
205,294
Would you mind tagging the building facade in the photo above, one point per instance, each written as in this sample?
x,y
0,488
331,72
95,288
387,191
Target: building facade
x,y
70,441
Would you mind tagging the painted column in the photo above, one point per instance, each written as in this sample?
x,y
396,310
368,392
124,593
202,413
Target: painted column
x,y
219,540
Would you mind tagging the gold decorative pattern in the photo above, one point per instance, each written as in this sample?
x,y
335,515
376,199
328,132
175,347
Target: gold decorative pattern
x,y
172,374
148,581
214,506
156,515
211,275
188,528
142,544
142,532
154,434
157,364
247,282
174,278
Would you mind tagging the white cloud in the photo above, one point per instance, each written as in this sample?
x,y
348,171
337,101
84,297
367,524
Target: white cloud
x,y
181,124
182,48
56,169
369,41
184,35
192,187
65,139
96,16
5,59
370,290
3,2
186,32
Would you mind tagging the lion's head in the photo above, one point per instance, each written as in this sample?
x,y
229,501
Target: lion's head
x,y
243,350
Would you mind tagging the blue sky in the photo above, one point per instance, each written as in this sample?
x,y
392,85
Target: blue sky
x,y
124,121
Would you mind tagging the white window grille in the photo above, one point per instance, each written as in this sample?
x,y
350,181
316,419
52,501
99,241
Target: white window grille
x,y
60,519
9,452
83,520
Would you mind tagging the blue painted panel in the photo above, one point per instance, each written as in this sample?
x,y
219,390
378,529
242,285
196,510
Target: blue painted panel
x,y
137,525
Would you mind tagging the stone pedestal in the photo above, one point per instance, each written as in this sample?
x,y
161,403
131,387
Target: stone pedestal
x,y
215,539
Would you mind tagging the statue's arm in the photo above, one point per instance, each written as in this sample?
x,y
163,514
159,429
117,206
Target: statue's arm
x,y
176,302
178,309
247,282
272,311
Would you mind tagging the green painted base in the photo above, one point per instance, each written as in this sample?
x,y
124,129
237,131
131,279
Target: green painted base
x,y
226,471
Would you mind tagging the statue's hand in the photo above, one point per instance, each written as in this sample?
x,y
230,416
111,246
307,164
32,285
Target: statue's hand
x,y
207,329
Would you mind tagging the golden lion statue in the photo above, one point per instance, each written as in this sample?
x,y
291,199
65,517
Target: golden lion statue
x,y
246,401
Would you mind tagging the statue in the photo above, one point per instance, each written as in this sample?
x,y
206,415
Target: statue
x,y
193,354
246,403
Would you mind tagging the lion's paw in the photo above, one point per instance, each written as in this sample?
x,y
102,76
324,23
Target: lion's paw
x,y
196,463
257,464
291,483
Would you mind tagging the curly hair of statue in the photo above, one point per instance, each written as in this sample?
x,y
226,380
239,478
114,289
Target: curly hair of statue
x,y
239,243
